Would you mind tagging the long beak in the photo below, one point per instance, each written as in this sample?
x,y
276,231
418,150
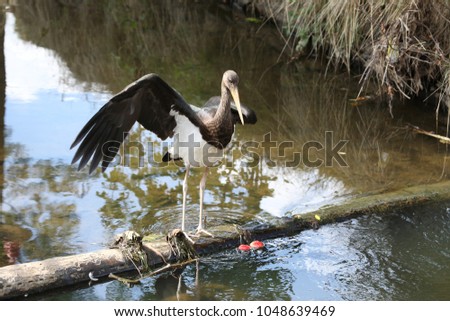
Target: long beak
x,y
235,94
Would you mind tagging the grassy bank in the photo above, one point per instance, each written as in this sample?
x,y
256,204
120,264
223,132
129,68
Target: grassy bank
x,y
403,45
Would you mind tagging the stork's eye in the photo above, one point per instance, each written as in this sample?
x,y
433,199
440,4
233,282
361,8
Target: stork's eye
x,y
233,80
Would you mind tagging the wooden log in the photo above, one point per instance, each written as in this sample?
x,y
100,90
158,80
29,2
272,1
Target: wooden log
x,y
27,278
23,279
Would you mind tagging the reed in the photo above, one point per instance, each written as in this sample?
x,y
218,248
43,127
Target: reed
x,y
402,45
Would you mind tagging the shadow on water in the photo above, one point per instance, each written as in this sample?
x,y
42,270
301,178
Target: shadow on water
x,y
83,51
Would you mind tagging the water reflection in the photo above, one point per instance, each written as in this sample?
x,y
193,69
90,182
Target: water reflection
x,y
381,152
400,256
38,195
82,52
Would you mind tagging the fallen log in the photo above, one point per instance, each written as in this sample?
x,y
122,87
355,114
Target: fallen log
x,y
34,277
27,278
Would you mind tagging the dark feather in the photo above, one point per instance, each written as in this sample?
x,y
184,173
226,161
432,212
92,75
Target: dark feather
x,y
148,101
249,114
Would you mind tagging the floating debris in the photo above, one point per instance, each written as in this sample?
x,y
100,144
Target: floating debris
x,y
254,246
257,245
244,248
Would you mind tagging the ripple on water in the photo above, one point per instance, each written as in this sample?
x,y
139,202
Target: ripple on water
x,y
401,256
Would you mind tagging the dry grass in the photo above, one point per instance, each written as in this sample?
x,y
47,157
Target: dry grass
x,y
403,45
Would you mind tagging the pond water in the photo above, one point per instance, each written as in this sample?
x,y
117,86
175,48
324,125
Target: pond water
x,y
63,60
401,256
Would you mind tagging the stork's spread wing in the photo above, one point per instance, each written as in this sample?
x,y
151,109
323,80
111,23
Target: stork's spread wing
x,y
148,100
248,114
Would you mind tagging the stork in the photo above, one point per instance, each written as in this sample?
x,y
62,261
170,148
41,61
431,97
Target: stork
x,y
200,135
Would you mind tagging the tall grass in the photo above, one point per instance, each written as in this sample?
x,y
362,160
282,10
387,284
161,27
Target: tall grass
x,y
403,45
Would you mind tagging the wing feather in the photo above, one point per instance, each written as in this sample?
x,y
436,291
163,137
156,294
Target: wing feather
x,y
148,101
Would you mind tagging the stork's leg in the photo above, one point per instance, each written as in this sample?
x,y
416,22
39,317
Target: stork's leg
x,y
185,187
200,229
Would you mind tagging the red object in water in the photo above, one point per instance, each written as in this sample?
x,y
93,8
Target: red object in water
x,y
256,245
12,251
244,247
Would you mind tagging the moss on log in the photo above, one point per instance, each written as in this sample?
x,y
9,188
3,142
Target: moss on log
x,y
23,279
382,203
27,278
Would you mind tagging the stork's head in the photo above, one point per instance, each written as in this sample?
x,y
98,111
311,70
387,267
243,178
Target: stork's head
x,y
230,80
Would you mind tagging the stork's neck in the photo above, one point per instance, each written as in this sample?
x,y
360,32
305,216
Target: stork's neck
x,y
218,131
223,112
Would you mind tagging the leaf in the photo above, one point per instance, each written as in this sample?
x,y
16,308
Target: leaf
x,y
317,217
253,20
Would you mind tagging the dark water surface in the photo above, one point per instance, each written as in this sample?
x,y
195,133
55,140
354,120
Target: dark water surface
x,y
63,60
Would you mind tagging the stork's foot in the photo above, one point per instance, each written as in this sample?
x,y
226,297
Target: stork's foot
x,y
200,231
186,235
182,246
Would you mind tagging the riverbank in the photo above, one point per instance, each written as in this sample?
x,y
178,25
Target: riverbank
x,y
402,46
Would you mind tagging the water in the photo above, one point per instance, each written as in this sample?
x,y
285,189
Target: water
x,y
401,256
60,70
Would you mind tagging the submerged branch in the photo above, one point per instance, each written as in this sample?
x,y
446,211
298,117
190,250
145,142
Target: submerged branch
x,y
440,138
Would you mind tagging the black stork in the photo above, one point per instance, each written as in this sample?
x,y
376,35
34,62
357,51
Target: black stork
x,y
200,135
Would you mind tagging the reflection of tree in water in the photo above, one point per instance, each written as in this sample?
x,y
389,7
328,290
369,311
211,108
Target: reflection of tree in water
x,y
189,43
382,152
37,195
149,198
